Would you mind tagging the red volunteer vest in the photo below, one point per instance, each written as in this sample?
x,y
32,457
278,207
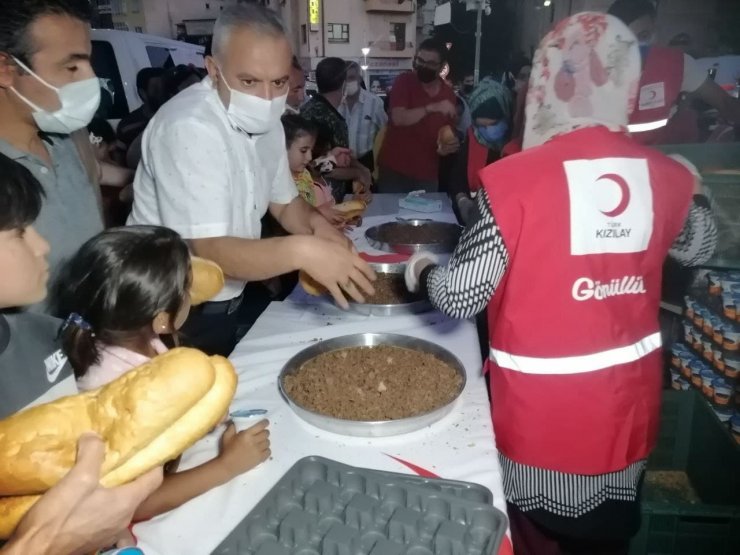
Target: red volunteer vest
x,y
660,86
477,159
575,343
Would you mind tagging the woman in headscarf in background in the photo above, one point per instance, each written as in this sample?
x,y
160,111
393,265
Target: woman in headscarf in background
x,y
490,109
566,254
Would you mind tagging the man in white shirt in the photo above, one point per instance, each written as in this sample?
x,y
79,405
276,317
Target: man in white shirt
x,y
214,162
365,116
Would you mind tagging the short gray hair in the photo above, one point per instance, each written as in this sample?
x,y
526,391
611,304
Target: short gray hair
x,y
249,15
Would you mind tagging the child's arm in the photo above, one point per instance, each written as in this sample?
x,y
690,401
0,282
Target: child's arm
x,y
334,217
240,452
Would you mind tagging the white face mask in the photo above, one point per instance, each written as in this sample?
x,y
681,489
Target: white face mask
x,y
351,88
79,101
252,114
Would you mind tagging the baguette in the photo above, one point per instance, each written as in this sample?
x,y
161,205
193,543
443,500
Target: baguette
x,y
146,417
208,280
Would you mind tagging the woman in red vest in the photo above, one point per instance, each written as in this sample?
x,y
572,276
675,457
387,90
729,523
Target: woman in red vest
x,y
566,254
661,116
490,109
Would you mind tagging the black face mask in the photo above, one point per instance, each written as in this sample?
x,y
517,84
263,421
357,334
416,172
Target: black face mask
x,y
467,89
425,74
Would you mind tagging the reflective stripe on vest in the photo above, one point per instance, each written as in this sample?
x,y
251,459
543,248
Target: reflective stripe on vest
x,y
578,364
645,127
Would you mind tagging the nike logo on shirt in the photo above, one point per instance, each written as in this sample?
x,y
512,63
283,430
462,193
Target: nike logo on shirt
x,y
54,364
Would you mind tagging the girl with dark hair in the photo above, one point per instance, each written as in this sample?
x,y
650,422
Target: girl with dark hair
x,y
123,289
300,139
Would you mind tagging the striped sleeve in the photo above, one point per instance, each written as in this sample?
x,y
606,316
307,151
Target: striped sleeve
x,y
568,495
464,287
697,241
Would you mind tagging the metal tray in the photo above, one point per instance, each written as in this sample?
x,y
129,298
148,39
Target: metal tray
x,y
381,428
321,506
415,307
381,237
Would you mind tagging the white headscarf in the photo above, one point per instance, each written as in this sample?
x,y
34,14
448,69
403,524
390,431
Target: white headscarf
x,y
586,72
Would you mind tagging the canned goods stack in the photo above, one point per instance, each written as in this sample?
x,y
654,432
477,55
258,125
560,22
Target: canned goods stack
x,y
709,358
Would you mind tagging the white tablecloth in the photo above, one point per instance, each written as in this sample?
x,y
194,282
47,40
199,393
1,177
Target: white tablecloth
x,y
460,447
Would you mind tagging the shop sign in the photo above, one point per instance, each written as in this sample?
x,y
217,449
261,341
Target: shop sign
x,y
313,14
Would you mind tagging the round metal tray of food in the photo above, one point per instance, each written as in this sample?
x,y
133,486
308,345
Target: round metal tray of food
x,y
411,236
377,428
390,287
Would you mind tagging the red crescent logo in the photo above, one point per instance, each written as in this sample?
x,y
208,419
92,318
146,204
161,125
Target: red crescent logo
x,y
625,190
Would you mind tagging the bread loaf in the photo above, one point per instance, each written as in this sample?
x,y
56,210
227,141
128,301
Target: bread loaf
x,y
208,280
351,209
446,135
146,417
310,285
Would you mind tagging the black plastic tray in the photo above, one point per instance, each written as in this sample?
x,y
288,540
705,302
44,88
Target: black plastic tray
x,y
322,507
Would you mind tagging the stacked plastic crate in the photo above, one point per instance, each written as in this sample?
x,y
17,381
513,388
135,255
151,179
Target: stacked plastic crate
x,y
709,357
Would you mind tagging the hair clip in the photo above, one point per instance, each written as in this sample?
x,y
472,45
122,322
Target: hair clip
x,y
76,320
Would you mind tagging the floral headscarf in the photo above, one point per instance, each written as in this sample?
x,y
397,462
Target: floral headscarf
x,y
586,73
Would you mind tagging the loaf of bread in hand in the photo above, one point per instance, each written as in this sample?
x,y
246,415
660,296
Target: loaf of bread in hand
x,y
310,285
446,135
146,417
208,280
351,209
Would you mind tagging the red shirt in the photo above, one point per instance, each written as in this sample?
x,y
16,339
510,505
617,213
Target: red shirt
x,y
412,150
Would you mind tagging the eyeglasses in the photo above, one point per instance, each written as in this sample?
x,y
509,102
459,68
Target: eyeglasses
x,y
426,63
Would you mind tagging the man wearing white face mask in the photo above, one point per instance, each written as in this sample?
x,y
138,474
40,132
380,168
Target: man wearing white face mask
x,y
214,162
365,116
48,95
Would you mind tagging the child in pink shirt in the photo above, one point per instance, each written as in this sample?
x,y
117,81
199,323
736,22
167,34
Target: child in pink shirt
x,y
122,290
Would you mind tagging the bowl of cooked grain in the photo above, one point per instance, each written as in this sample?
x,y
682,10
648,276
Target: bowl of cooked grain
x,y
372,384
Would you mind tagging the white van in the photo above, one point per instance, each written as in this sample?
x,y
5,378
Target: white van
x,y
117,56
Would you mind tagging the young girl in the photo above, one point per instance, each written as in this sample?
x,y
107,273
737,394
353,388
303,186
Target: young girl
x,y
124,289
300,138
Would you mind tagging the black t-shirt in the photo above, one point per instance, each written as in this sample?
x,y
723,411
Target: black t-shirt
x,y
132,125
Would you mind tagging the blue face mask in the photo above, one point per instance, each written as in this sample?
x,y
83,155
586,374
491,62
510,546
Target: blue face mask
x,y
493,133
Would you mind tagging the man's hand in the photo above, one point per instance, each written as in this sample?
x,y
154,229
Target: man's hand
x,y
324,229
362,185
444,107
78,515
338,268
361,190
364,177
445,149
342,155
332,216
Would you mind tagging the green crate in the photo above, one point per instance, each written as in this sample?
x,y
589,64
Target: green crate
x,y
707,155
694,441
725,192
